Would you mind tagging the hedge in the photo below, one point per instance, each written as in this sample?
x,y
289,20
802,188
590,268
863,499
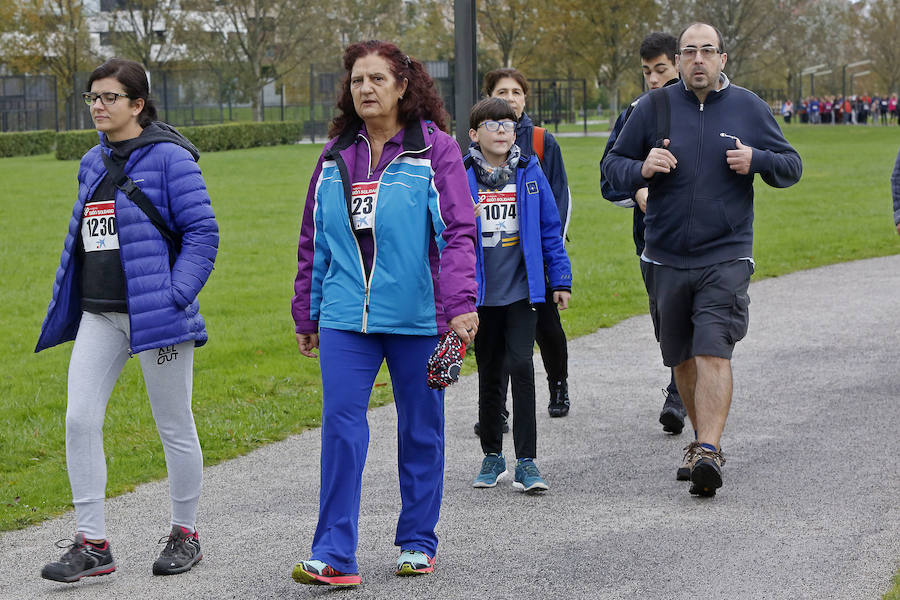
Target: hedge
x,y
26,143
71,145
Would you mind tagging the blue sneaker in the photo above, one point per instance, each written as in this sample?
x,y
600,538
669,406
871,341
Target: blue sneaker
x,y
493,469
528,478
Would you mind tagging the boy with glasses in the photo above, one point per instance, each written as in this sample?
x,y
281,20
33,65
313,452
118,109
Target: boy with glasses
x,y
518,236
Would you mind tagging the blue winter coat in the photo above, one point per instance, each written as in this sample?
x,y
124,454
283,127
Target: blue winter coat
x,y
162,303
539,232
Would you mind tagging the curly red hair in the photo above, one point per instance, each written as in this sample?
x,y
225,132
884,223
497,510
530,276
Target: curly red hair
x,y
420,101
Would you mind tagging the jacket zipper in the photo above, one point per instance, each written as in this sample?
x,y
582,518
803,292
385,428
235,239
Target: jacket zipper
x,y
695,178
362,266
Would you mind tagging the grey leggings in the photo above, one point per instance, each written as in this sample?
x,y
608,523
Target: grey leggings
x,y
100,352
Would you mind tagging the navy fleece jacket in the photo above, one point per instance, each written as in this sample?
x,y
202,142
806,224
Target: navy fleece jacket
x,y
702,212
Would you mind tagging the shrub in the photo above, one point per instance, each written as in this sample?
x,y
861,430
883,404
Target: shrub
x,y
207,138
26,143
71,145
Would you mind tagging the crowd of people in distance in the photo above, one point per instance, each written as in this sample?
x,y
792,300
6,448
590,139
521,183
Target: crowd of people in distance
x,y
863,109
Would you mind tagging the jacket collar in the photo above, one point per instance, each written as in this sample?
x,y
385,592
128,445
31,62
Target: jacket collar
x,y
712,96
416,137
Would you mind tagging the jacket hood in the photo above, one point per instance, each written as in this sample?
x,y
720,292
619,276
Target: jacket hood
x,y
154,133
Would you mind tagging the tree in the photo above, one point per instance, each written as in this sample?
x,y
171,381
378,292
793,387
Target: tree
x,y
604,36
254,42
52,36
513,26
881,30
145,30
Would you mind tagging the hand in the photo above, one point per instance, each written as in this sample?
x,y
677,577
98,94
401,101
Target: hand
x,y
561,298
739,158
306,342
465,326
898,228
478,210
640,197
659,160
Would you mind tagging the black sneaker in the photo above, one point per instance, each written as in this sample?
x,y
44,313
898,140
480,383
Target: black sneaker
x,y
81,559
706,474
182,552
673,413
504,428
559,399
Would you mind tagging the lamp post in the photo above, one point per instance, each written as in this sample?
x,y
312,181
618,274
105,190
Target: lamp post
x,y
854,76
809,71
852,65
812,81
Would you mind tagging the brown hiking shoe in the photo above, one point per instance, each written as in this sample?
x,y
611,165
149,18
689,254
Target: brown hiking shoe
x,y
690,457
706,472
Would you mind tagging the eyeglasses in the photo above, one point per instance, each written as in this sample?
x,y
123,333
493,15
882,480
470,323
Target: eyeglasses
x,y
496,125
107,98
705,51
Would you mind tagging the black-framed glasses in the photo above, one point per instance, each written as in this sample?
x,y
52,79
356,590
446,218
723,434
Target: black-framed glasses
x,y
107,98
705,51
496,125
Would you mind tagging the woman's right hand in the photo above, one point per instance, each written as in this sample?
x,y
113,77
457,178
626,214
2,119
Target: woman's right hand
x,y
306,342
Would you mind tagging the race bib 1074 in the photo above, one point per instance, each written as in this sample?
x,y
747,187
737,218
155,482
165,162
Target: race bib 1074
x,y
364,197
98,226
498,210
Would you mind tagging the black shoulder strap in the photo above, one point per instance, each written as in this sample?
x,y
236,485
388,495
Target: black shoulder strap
x,y
661,108
467,162
134,193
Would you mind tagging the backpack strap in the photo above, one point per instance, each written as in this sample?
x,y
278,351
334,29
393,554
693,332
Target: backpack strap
x,y
136,195
537,142
661,107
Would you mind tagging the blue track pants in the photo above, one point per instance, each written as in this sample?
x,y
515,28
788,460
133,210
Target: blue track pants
x,y
349,362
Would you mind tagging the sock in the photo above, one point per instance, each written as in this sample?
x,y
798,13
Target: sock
x,y
98,544
709,447
521,460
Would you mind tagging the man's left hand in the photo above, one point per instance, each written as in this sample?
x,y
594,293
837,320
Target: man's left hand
x,y
739,158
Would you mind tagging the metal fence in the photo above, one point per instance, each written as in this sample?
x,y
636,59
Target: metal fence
x,y
27,102
202,97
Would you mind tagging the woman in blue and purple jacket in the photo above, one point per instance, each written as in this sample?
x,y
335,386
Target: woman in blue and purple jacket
x,y
118,293
386,264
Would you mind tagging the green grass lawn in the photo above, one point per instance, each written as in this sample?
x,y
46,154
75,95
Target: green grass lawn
x,y
251,385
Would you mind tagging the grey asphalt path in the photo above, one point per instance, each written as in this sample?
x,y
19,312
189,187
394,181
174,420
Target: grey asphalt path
x,y
810,506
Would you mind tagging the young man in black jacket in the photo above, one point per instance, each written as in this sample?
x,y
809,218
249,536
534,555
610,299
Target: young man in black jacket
x,y
699,227
658,65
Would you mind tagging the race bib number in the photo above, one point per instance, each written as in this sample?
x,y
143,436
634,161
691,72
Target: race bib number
x,y
98,226
498,210
364,197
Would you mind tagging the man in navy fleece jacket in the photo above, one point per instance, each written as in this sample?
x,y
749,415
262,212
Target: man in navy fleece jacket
x,y
699,227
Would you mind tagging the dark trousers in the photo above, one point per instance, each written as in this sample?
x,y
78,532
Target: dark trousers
x,y
551,339
506,339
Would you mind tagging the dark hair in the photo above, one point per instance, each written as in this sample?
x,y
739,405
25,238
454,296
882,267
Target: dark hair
x,y
718,35
490,109
491,79
658,43
420,101
133,78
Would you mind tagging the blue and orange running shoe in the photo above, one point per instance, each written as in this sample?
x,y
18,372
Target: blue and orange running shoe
x,y
315,572
414,562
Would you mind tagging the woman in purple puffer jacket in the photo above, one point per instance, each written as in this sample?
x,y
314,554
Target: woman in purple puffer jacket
x,y
118,294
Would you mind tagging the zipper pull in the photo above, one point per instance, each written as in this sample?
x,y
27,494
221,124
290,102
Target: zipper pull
x,y
701,107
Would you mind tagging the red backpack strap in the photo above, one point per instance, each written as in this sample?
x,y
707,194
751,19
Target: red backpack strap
x,y
537,142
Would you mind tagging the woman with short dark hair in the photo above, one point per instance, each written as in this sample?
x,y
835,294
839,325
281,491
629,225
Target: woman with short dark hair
x,y
127,284
385,265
